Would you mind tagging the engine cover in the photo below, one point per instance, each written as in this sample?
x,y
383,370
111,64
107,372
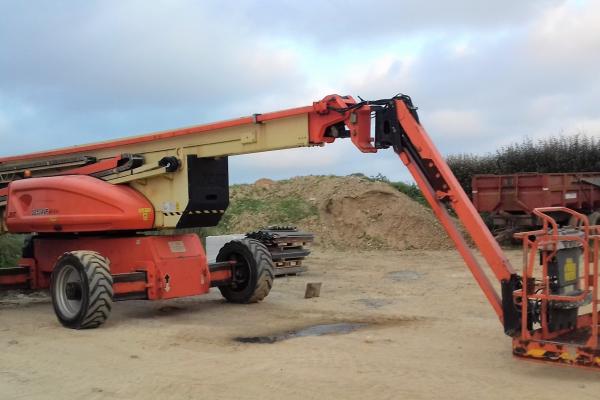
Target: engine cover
x,y
75,203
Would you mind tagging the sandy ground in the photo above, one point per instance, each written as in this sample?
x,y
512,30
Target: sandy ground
x,y
430,335
342,211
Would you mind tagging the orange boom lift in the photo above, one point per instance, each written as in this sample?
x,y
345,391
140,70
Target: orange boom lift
x,y
95,211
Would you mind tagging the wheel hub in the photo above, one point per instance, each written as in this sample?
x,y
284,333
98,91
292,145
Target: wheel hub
x,y
73,291
241,273
69,293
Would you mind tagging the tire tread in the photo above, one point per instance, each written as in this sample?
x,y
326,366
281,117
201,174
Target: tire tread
x,y
100,289
265,270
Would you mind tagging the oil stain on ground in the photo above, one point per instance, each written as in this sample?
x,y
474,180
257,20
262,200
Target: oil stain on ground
x,y
406,275
339,328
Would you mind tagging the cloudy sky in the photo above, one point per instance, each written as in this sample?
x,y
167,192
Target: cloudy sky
x,y
483,73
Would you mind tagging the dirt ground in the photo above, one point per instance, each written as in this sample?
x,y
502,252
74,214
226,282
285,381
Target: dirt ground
x,y
428,334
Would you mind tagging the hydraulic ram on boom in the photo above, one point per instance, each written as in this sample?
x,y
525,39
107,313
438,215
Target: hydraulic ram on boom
x,y
90,206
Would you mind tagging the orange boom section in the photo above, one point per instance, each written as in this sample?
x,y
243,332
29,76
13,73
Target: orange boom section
x,y
76,203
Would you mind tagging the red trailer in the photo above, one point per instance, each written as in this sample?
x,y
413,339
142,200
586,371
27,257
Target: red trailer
x,y
510,199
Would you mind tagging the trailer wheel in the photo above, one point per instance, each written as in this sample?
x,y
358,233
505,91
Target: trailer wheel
x,y
253,276
81,289
594,218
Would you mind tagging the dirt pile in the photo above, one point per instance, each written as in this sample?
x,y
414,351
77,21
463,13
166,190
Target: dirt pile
x,y
343,212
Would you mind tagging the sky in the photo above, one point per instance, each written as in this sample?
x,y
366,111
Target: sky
x,y
483,73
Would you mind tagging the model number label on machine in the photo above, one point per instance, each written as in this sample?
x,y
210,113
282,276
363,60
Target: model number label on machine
x,y
177,246
40,211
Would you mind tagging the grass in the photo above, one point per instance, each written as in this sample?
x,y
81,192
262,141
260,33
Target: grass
x,y
10,250
276,211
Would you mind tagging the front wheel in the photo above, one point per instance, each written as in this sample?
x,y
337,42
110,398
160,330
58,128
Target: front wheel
x,y
81,289
252,277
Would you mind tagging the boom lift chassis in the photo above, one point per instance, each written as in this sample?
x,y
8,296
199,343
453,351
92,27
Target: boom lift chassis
x,y
90,206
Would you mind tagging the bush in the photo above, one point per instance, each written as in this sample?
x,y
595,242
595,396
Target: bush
x,y
412,191
10,250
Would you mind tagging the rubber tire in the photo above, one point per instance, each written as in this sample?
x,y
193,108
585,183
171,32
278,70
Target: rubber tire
x,y
262,271
594,218
97,289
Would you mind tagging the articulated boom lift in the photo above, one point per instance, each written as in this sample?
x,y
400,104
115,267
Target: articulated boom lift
x,y
95,211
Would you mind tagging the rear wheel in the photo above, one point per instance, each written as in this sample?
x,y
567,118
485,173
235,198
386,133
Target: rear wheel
x,y
594,218
82,289
252,277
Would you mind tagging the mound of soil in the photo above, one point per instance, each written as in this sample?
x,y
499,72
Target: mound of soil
x,y
343,212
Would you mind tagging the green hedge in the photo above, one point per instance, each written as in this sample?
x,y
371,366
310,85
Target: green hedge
x,y
577,153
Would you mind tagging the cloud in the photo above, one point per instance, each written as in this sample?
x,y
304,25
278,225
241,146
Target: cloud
x,y
127,54
340,157
459,124
534,77
347,22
